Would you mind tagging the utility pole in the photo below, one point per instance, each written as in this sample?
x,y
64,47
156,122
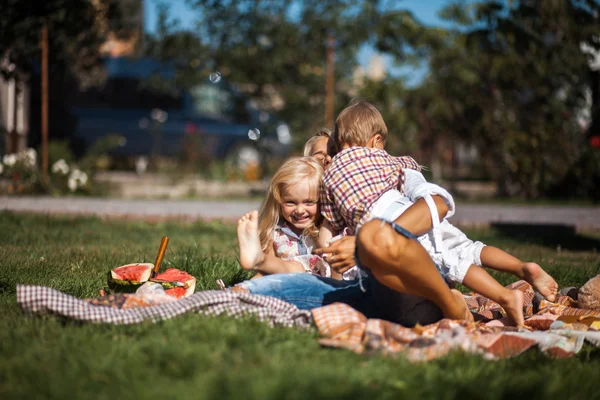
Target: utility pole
x,y
330,81
44,46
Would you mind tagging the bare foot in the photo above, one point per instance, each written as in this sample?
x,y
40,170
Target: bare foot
x,y
463,310
540,280
251,254
512,302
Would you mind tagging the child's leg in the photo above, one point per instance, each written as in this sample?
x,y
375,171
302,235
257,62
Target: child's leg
x,y
532,273
402,264
478,280
252,256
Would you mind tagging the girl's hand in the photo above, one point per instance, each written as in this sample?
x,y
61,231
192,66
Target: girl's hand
x,y
339,254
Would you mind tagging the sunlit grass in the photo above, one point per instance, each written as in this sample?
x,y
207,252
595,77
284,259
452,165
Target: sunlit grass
x,y
200,357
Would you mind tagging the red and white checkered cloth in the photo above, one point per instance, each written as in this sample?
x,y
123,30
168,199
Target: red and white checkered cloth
x,y
558,330
40,300
356,178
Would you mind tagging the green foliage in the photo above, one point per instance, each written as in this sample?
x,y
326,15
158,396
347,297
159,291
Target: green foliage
x,y
24,174
199,357
276,51
76,30
513,80
60,149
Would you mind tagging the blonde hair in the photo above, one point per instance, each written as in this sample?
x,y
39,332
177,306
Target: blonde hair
x,y
292,172
357,124
310,143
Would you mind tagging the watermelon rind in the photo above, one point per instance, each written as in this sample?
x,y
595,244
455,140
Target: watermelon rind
x,y
171,285
122,286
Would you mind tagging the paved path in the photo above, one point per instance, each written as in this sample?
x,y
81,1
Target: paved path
x,y
582,218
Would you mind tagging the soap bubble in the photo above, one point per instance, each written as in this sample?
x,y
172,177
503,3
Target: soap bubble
x,y
215,77
159,115
254,134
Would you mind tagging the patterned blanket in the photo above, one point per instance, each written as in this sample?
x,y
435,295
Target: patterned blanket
x,y
557,329
126,309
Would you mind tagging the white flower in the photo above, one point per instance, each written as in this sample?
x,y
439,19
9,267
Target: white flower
x,y
78,177
10,160
31,156
76,173
60,166
72,184
141,164
83,178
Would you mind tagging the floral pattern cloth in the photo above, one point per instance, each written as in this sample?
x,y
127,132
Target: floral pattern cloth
x,y
292,247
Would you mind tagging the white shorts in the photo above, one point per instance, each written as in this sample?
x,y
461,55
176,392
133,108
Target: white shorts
x,y
447,245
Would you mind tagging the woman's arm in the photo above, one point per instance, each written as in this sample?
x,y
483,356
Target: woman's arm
x,y
339,254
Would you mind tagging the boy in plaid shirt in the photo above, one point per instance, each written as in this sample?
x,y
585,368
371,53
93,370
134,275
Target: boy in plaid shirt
x,y
364,183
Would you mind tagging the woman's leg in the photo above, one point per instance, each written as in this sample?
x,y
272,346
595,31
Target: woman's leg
x,y
398,261
306,291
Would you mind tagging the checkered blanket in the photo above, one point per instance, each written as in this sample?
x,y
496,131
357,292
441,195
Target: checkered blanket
x,y
557,329
40,300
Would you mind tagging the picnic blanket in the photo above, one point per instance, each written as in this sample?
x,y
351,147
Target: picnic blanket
x,y
125,309
558,329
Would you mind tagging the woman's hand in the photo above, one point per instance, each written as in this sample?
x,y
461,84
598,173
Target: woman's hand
x,y
339,254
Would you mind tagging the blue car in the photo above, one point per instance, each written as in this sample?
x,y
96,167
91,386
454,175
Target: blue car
x,y
210,120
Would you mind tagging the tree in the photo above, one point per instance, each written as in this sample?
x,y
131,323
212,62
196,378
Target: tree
x,y
77,29
512,80
275,51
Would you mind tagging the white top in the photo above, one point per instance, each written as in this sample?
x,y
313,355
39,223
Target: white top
x,y
415,188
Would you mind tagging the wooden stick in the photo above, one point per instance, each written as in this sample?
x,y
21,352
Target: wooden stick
x,y
161,254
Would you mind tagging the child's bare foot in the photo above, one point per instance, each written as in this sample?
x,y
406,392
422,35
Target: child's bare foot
x,y
251,254
512,302
540,280
462,312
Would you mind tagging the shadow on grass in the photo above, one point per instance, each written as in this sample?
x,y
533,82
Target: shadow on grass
x,y
549,235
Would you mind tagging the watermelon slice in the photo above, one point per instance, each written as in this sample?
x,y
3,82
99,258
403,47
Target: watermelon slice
x,y
176,283
127,278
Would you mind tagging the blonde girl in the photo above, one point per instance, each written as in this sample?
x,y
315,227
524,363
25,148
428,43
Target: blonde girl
x,y
281,236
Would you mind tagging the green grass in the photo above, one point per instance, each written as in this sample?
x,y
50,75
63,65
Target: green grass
x,y
199,357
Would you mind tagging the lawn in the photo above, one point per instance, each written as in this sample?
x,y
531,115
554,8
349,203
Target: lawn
x,y
199,357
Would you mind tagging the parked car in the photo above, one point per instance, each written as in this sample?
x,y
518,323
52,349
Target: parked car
x,y
212,118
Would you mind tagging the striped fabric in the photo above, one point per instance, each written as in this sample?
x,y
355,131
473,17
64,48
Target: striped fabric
x,y
356,178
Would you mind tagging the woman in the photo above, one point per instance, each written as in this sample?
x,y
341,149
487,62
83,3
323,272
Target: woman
x,y
366,294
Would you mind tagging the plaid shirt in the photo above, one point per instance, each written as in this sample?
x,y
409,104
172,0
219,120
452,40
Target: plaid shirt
x,y
356,178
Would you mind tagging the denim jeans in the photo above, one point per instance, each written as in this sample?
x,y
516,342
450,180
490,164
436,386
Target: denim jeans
x,y
307,291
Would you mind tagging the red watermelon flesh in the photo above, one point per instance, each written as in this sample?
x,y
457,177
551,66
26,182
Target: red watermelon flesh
x,y
177,292
182,281
133,272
